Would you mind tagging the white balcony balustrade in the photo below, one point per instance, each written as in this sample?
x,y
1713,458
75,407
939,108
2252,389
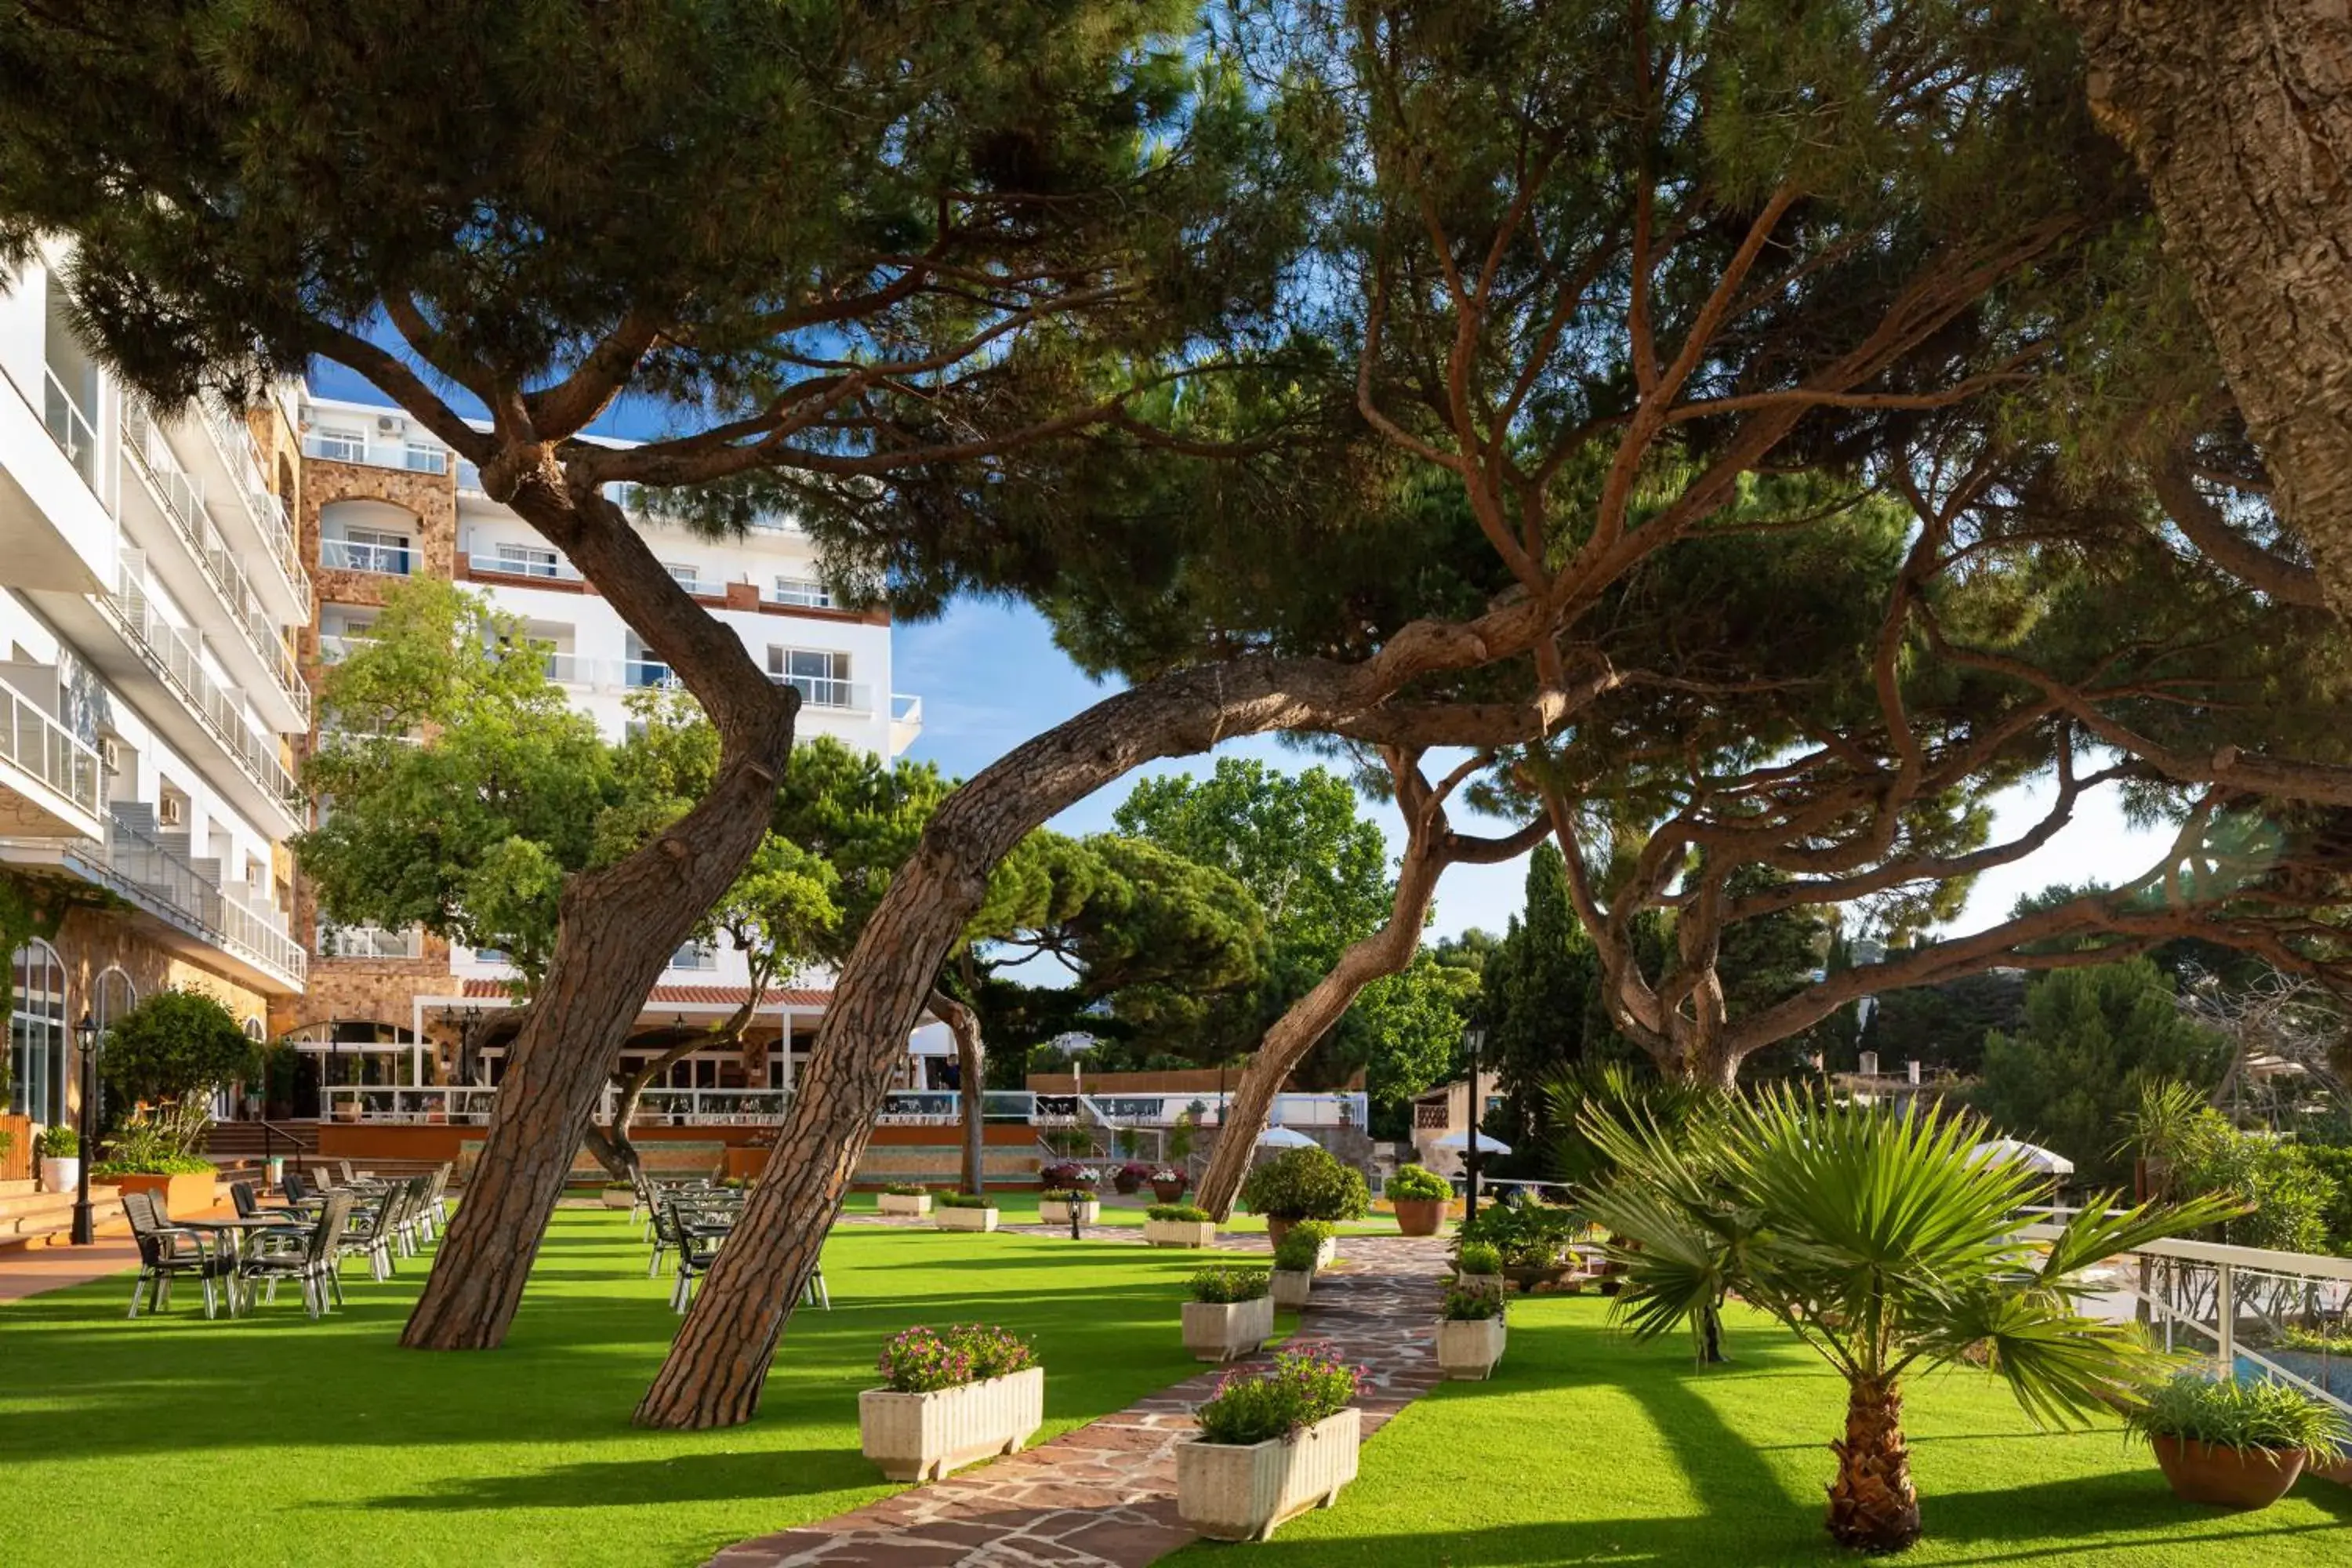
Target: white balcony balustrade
x,y
45,753
384,560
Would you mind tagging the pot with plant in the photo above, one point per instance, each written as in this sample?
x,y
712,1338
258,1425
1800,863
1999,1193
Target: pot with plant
x,y
1295,1263
1229,1313
1177,1225
619,1195
2235,1442
60,1149
1420,1196
1065,1174
1056,1205
1470,1335
1305,1183
906,1198
1128,1179
1168,1183
950,1396
1478,1270
966,1211
1271,1445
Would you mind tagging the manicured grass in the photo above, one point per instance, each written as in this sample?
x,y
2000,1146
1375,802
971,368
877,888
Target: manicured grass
x,y
1586,1448
276,1440
1020,1207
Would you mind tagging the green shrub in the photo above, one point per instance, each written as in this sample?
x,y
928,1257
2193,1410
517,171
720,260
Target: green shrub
x,y
906,1189
155,1165
176,1046
58,1142
1186,1213
920,1360
964,1201
1532,1236
1223,1282
2241,1413
1418,1184
2318,1341
1307,1184
147,1147
1297,1254
1302,1387
1479,1258
1066,1195
1472,1306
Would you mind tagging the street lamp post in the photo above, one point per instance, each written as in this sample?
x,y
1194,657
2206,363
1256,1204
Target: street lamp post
x,y
86,1037
1473,1038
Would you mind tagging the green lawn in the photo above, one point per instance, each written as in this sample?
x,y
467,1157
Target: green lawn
x,y
275,1440
1587,1448
1020,1207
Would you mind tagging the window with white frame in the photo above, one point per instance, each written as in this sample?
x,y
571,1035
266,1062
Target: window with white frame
x,y
821,676
804,592
528,561
688,575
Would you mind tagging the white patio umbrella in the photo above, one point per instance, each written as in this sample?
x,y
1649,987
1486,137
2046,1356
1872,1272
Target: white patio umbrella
x,y
2015,1151
1487,1142
1283,1138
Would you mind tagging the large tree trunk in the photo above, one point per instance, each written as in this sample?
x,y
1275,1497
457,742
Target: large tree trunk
x,y
718,1363
2240,113
972,1064
617,925
1872,1504
614,1150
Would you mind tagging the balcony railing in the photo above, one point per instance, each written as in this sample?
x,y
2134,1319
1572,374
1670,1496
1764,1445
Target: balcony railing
x,y
334,648
69,427
38,745
556,570
906,710
141,865
182,500
571,670
822,692
387,559
233,440
800,596
369,941
173,657
644,674
695,955
338,446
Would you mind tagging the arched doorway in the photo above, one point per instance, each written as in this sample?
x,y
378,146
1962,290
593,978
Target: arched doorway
x,y
36,1034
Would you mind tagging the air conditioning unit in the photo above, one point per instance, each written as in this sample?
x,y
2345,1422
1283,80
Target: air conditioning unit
x,y
110,755
386,425
170,810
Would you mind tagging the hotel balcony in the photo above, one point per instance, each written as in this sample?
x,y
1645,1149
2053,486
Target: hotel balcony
x,y
384,560
249,514
48,776
414,456
368,942
906,721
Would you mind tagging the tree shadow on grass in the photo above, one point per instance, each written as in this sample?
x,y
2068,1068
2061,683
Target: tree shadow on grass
x,y
636,1483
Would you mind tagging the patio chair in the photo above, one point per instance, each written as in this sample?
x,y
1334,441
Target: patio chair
x,y
409,1230
166,1253
250,1206
438,1205
294,1188
695,1253
666,1232
368,1233
309,1265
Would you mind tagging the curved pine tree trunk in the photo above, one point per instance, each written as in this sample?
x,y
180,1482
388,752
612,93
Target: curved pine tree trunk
x,y
1872,1507
972,1065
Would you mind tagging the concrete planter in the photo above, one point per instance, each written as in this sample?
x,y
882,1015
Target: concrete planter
x,y
1179,1232
922,1436
1053,1213
966,1219
61,1175
1487,1285
620,1198
916,1204
1467,1350
1230,1493
1219,1331
1291,1286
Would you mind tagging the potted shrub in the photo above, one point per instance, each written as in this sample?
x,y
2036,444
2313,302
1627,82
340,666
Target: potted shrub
x,y
1177,1225
1303,1183
1055,1205
619,1195
1168,1183
1470,1335
59,1148
1419,1196
906,1197
1321,1235
1534,1239
1478,1270
1128,1179
147,1156
1230,1313
1295,1263
948,1397
2240,1443
1271,1445
966,1211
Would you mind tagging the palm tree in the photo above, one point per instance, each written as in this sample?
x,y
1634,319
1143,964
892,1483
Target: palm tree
x,y
1879,1242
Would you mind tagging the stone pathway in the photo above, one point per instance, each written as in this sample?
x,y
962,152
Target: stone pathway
x,y
1104,1495
31,1270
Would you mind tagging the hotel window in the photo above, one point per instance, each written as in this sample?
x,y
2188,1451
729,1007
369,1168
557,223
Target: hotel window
x,y
36,1035
802,592
529,561
822,678
689,576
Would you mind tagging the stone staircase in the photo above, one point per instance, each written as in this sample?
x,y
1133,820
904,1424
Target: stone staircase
x,y
30,1217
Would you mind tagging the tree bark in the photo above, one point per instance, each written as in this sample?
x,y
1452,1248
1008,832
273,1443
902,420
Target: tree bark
x,y
971,1062
1872,1507
617,925
718,1363
2239,114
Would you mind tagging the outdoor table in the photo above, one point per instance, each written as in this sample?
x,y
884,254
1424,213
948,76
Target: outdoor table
x,y
231,1232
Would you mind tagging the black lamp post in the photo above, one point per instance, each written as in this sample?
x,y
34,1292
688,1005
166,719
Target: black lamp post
x,y
86,1037
1473,1038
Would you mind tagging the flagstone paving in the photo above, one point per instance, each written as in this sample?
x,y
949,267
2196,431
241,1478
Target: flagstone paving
x,y
1104,1495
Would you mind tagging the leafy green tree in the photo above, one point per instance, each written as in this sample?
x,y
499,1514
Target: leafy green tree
x,y
2090,1039
176,1049
1538,1002
1942,1025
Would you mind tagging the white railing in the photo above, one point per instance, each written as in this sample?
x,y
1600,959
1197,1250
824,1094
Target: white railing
x,y
40,746
906,710
800,595
557,570
695,955
469,478
369,941
69,427
232,438
571,670
386,560
821,691
195,902
648,674
334,650
343,447
181,500
174,658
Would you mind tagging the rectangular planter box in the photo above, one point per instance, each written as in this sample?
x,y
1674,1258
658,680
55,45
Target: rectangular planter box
x,y
965,1219
922,1436
1242,1493
1219,1331
1291,1286
1179,1232
1467,1350
181,1194
1052,1212
916,1203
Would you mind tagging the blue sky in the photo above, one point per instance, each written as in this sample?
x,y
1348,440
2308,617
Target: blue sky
x,y
989,677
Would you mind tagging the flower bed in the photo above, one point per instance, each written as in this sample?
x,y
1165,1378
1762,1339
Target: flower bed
x,y
1271,1445
949,1397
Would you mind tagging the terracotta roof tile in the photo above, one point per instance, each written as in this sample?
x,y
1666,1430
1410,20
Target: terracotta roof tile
x,y
693,995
